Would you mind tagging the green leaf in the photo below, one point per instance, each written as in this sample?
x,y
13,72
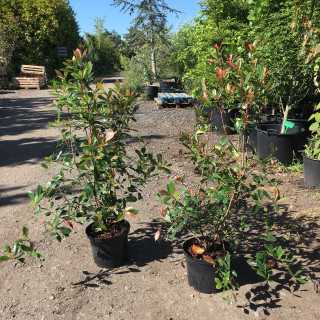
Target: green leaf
x,y
260,273
31,195
218,283
171,188
25,231
4,258
55,235
7,248
65,231
252,263
223,140
302,280
44,165
25,248
314,126
37,255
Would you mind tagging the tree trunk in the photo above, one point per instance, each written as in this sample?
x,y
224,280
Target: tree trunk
x,y
153,58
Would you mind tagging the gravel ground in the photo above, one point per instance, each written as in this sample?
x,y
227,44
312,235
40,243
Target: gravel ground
x,y
66,284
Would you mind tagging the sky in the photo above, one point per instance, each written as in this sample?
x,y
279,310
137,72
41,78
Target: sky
x,y
86,11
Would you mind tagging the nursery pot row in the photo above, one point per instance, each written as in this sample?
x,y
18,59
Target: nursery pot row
x,y
113,252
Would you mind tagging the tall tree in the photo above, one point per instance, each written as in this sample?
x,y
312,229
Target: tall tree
x,y
101,49
43,26
151,17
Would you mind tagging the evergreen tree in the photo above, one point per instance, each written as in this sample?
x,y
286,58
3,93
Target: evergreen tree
x,y
151,18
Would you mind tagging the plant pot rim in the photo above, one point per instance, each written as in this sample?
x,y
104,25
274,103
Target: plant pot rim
x,y
274,132
187,255
186,244
312,159
90,235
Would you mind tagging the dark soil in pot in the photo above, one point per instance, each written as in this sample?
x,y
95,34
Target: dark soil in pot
x,y
110,249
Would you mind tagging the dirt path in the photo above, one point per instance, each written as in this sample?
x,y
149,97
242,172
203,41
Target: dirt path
x,y
66,284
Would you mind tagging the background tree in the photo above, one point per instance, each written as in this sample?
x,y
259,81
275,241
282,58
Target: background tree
x,y
151,19
280,49
137,68
282,28
218,21
102,51
9,38
43,26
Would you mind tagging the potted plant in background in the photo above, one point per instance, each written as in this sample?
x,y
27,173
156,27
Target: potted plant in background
x,y
229,81
230,191
94,177
311,156
215,106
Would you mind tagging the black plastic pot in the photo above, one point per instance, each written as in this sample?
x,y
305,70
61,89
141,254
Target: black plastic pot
x,y
112,252
151,91
311,172
282,146
165,85
200,273
218,119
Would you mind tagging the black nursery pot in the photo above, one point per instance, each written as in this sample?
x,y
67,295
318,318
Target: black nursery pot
x,y
311,172
165,85
151,91
218,119
112,252
281,145
201,274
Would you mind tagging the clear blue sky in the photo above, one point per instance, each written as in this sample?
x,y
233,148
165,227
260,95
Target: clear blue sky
x,y
86,11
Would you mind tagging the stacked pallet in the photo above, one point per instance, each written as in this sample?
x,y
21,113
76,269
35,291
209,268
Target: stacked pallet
x,y
172,99
31,77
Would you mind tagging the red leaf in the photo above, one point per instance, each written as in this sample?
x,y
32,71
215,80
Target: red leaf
x,y
232,64
250,46
209,260
131,214
216,46
68,223
163,212
197,249
271,263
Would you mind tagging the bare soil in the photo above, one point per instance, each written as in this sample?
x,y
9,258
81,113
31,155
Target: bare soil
x,y
66,284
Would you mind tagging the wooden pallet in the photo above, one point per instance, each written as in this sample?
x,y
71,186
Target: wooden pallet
x,y
172,100
31,77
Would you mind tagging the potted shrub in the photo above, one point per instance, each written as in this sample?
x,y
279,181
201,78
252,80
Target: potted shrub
x,y
311,156
216,107
94,179
231,189
229,84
